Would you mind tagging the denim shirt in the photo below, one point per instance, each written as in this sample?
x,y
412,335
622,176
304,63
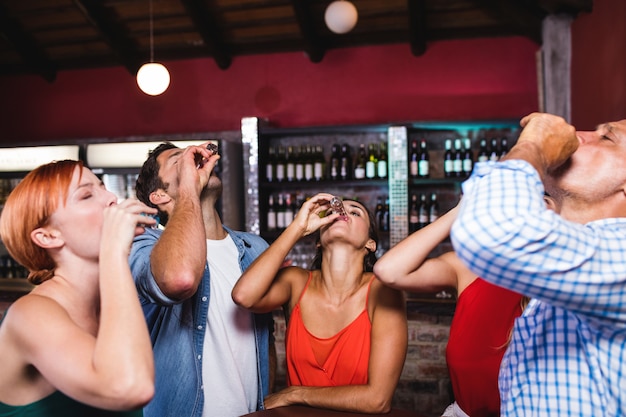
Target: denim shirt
x,y
177,331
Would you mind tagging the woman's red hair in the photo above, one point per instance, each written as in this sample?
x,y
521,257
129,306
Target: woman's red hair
x,y
28,207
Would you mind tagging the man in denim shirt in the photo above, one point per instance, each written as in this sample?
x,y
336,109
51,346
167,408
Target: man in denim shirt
x,y
211,356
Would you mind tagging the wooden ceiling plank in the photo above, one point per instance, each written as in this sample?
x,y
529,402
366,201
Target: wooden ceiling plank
x,y
114,33
312,44
417,26
519,15
26,46
206,22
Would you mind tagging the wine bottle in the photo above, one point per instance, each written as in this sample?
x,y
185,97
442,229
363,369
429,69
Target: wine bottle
x,y
280,213
413,159
381,165
271,214
319,163
424,160
458,159
345,172
359,163
299,161
308,163
280,164
468,158
372,160
424,214
414,214
269,166
448,162
290,165
483,153
433,211
335,162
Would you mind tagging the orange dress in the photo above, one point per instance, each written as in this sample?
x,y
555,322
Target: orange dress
x,y
342,359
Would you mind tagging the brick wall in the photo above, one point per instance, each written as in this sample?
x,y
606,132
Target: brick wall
x,y
424,385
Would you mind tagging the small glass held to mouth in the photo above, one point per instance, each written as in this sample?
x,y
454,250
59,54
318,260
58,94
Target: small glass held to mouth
x,y
336,206
212,147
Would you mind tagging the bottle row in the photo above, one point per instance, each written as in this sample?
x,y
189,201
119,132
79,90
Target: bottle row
x,y
9,268
458,160
282,207
307,163
422,211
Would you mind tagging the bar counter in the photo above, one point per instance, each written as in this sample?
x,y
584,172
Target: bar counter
x,y
302,411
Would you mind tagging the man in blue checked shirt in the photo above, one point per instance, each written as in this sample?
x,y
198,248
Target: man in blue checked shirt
x,y
567,355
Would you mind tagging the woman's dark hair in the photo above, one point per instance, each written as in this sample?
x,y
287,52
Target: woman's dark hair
x,y
368,260
148,179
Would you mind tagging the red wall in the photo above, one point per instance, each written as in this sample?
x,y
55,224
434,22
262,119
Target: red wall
x,y
455,80
599,65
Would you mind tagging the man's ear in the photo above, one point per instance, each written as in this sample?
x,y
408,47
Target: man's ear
x,y
46,238
159,197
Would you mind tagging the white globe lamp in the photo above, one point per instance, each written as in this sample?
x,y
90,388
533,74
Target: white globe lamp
x,y
341,16
153,78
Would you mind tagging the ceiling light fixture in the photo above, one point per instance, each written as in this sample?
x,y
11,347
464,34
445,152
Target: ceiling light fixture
x,y
341,16
153,78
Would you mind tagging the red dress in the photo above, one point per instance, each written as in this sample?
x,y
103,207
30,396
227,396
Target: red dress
x,y
342,359
479,333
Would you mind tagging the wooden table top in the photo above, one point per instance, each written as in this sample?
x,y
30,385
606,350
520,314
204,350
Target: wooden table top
x,y
301,411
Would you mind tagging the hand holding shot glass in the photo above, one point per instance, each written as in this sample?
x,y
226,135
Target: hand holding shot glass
x,y
200,160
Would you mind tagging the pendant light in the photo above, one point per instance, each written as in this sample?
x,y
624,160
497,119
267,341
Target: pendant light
x,y
341,16
153,78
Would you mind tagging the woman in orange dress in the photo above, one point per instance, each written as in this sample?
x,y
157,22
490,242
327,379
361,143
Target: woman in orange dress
x,y
346,332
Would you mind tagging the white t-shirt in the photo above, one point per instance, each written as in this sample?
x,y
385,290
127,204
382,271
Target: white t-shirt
x,y
229,368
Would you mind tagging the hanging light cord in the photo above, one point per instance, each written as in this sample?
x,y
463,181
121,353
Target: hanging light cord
x,y
151,36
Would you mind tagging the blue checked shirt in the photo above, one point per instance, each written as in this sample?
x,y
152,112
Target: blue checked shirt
x,y
567,356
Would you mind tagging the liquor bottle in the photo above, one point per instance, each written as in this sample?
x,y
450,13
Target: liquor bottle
x,y
359,163
424,214
289,213
385,216
494,152
433,211
280,213
280,164
483,153
299,161
424,161
448,162
345,171
319,163
504,147
458,158
290,164
269,167
335,162
468,158
414,214
381,165
308,163
372,160
271,214
413,159
378,212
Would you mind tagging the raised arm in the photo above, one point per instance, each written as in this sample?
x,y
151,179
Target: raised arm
x,y
387,356
406,266
179,256
263,286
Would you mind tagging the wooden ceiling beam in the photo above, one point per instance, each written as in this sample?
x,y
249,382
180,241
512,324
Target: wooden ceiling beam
x,y
526,22
312,44
27,47
114,33
573,7
417,26
207,24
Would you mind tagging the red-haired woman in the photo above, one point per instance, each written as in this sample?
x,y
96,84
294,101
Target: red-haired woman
x,y
77,344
